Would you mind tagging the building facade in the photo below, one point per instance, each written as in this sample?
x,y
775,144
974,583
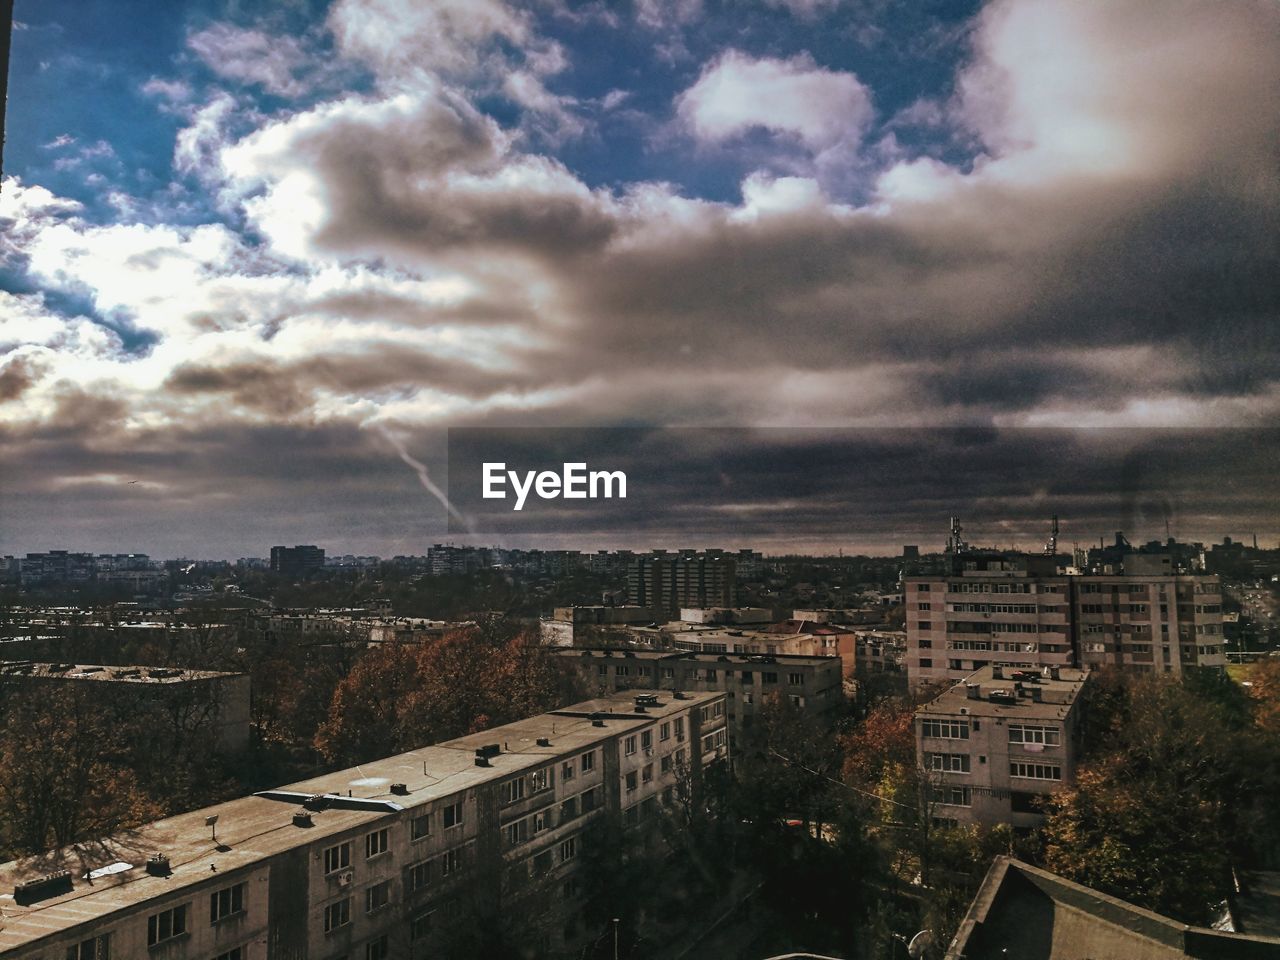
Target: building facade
x,y
993,745
1022,615
686,578
398,859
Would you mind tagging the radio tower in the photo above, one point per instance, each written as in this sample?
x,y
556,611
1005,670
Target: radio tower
x,y
1051,548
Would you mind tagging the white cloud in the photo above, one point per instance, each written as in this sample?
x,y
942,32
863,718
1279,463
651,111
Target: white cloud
x,y
271,61
737,93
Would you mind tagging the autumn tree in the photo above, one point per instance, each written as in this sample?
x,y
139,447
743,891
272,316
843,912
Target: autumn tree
x,y
1178,774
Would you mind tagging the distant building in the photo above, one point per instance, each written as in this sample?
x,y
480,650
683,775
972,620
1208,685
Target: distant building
x,y
1020,612
812,684
687,578
294,561
1023,912
216,702
56,567
996,743
386,861
567,625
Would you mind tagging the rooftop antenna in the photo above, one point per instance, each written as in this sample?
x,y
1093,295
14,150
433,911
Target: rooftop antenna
x,y
955,543
1051,548
212,824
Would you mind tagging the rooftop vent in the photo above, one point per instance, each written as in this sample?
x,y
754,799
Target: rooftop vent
x,y
42,888
972,691
597,719
640,708
489,750
317,802
158,865
400,789
302,819
544,741
997,672
647,699
1004,696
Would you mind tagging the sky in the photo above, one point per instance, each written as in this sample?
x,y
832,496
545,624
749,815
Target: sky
x,y
256,259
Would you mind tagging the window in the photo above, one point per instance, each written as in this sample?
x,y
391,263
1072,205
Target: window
x,y
450,862
226,903
568,849
589,800
375,844
664,731
420,827
924,606
679,728
631,782
948,762
622,671
566,770
665,763
924,625
602,669
956,796
568,809
769,677
1035,771
452,815
542,864
419,875
420,926
166,925
541,780
926,662
668,673
517,832
922,588
629,746
795,679
236,953
337,915
337,858
646,740
1028,733
945,729
713,741
377,896
680,757
95,948
646,774
588,761
513,790
379,949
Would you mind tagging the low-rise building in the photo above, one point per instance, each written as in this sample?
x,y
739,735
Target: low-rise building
x,y
812,684
208,700
994,744
396,858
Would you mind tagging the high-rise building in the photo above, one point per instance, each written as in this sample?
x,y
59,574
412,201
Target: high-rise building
x,y
1018,611
688,578
396,858
296,560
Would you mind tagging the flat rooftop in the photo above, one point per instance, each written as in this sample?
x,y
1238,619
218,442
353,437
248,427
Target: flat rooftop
x,y
252,829
1013,693
78,671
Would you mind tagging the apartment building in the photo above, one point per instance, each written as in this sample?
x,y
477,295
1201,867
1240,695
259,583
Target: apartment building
x,y
208,700
391,860
1019,612
811,683
686,578
993,744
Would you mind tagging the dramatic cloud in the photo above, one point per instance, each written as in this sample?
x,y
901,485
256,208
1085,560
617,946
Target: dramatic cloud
x,y
1074,226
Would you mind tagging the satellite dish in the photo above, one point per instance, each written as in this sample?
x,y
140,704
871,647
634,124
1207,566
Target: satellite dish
x,y
921,942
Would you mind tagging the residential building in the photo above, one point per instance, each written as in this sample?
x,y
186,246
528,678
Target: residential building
x,y
569,624
1019,611
1024,912
298,560
212,702
994,744
56,567
687,578
810,683
397,858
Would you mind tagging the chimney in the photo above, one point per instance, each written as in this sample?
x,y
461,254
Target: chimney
x,y
1055,673
997,672
972,691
